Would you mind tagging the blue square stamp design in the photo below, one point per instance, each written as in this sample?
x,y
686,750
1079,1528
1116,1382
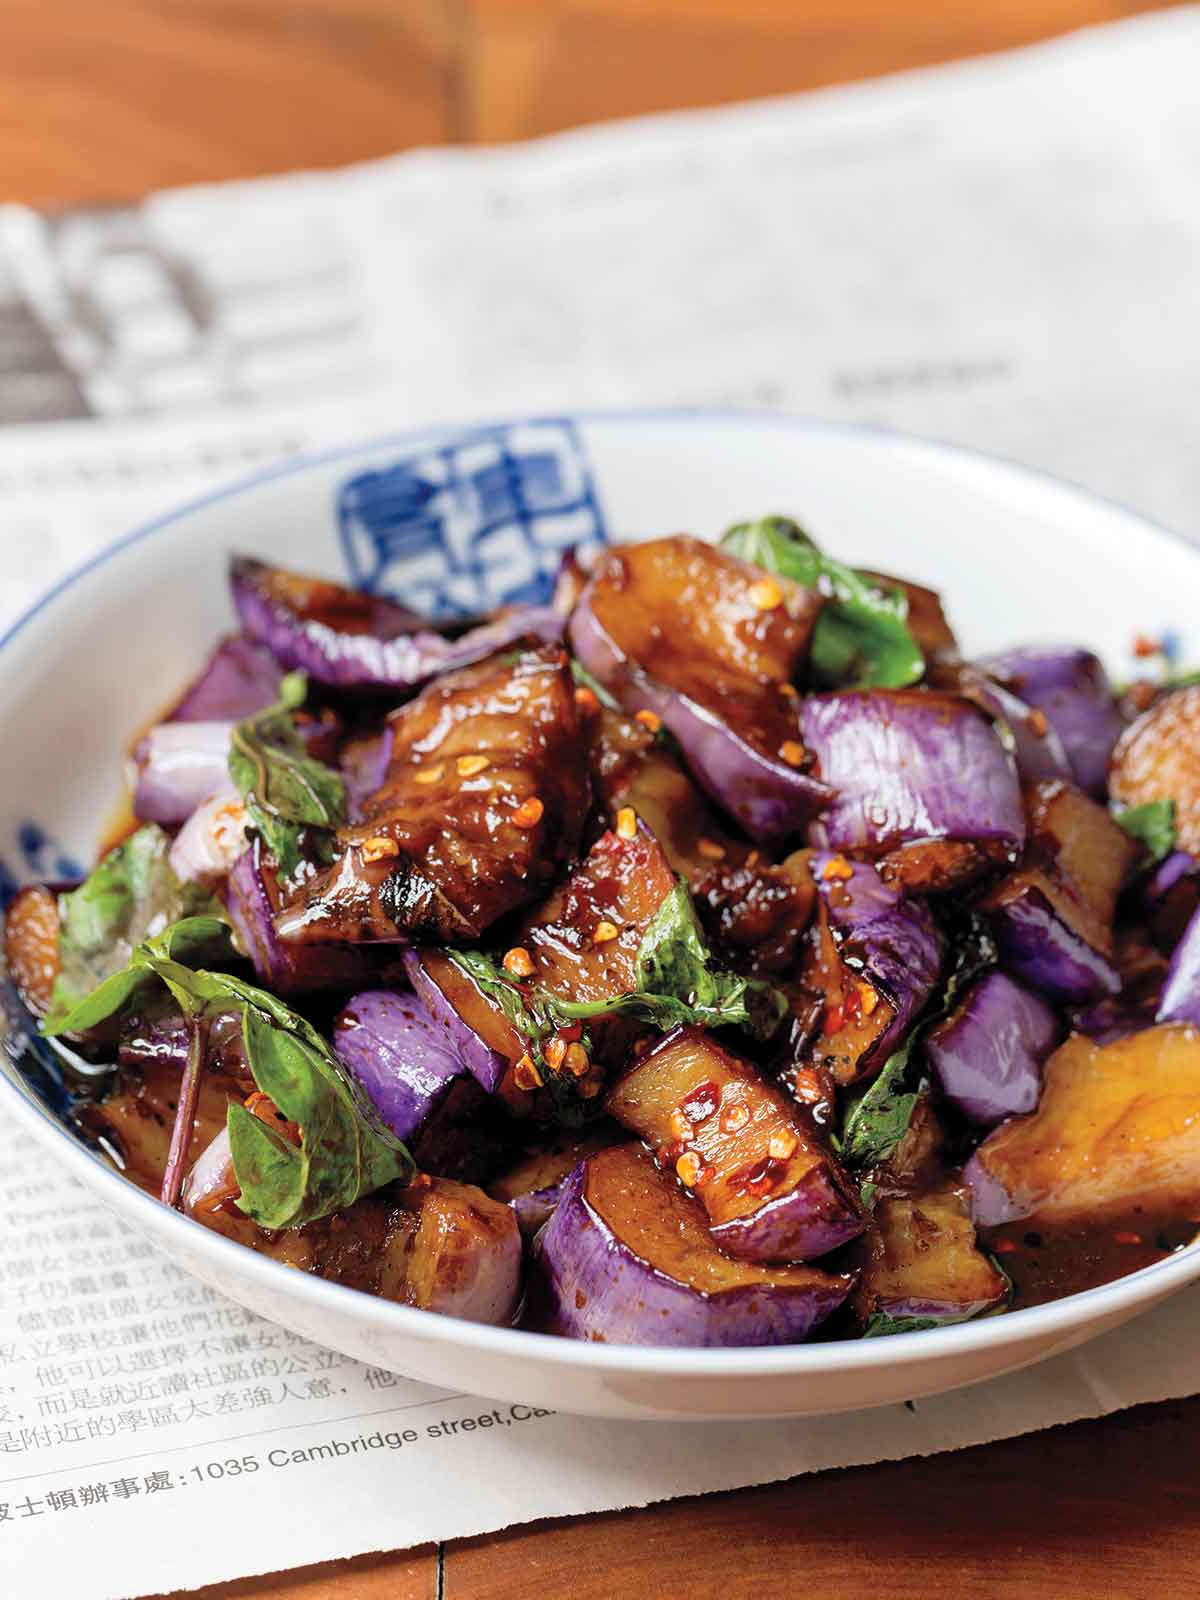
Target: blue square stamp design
x,y
478,520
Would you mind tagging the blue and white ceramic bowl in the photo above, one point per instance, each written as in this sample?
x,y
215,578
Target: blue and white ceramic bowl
x,y
462,518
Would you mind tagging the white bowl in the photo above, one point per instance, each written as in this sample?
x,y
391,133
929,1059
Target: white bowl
x,y
467,516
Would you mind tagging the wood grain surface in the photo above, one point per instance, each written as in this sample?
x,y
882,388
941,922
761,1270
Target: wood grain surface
x,y
104,99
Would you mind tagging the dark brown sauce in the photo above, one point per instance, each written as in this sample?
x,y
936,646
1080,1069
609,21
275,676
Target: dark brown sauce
x,y
1047,1263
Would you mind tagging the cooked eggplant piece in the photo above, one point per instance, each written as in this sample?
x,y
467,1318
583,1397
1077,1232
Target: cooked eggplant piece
x,y
1071,690
769,1188
711,646
876,956
240,678
583,942
402,1059
177,766
535,1185
582,945
1036,746
484,799
922,1262
31,928
1118,1126
1158,758
626,1258
252,898
470,1021
464,1253
987,1054
910,766
1053,917
755,914
354,641
437,1244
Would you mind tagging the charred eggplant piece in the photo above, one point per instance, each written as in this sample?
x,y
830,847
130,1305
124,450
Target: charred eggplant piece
x,y
354,641
910,766
770,1190
1158,758
484,799
711,646
875,956
627,1259
1117,1127
922,1264
1053,917
252,899
582,945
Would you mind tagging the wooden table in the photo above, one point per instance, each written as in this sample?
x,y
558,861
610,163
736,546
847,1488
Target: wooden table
x,y
103,99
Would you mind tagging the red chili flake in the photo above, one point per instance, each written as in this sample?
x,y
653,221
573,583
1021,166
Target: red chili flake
x,y
700,1103
1127,1236
759,1178
1144,646
806,1085
1004,1247
835,1020
852,1005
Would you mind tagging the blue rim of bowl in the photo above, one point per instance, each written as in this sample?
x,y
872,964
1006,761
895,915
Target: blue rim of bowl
x,y
798,1360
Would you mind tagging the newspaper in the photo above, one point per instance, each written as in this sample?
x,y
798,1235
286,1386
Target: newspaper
x,y
1000,253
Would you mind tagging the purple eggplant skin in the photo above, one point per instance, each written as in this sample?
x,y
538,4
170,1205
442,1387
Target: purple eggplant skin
x,y
285,968
820,1214
1036,747
399,1055
368,644
1180,1000
991,1203
364,766
178,766
892,938
772,800
240,678
486,1066
1071,689
588,1282
1038,946
910,765
987,1055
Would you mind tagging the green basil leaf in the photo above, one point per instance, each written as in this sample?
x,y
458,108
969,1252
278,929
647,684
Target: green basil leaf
x,y
132,895
341,1156
862,635
881,1325
186,940
878,1118
1152,825
675,978
294,801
